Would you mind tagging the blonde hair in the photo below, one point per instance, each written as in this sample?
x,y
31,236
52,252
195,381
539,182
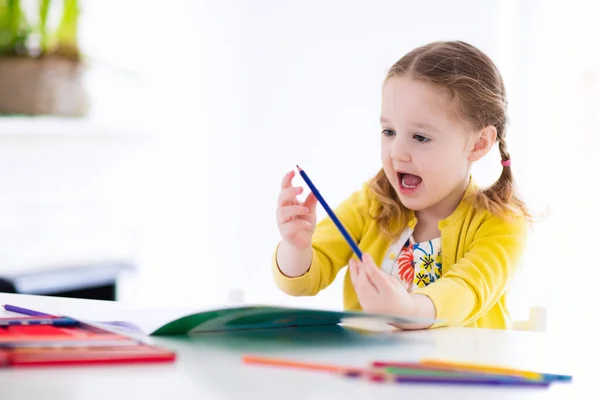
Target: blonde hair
x,y
479,96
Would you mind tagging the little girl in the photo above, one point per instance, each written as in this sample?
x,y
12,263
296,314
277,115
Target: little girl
x,y
435,246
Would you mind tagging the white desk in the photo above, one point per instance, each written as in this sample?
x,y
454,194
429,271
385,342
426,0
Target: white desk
x,y
208,367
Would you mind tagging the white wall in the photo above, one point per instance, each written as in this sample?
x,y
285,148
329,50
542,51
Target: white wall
x,y
68,194
173,70
558,149
312,74
238,93
234,93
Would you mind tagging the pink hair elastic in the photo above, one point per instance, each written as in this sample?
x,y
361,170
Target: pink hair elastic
x,y
505,163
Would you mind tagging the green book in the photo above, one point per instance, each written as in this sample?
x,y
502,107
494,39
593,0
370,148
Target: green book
x,y
233,318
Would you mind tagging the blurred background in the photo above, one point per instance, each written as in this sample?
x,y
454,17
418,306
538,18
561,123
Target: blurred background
x,y
141,155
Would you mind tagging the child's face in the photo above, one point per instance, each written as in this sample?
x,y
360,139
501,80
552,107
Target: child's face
x,y
424,147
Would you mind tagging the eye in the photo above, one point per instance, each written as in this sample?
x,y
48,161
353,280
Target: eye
x,y
388,133
420,138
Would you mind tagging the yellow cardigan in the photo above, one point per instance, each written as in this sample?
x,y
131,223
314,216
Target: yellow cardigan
x,y
480,255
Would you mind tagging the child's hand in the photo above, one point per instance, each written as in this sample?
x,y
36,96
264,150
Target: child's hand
x,y
378,292
296,220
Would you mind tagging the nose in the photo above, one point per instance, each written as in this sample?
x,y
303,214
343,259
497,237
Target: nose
x,y
399,150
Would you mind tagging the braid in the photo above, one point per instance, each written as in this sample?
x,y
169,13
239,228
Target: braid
x,y
501,196
504,188
504,154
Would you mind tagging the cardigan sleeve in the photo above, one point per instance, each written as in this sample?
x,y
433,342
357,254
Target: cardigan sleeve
x,y
477,280
330,251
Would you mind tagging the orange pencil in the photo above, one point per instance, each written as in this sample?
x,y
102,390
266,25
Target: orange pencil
x,y
297,364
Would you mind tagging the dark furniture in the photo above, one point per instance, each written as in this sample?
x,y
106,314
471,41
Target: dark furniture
x,y
95,281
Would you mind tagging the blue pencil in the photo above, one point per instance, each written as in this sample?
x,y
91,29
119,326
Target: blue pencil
x,y
25,311
331,214
399,378
38,321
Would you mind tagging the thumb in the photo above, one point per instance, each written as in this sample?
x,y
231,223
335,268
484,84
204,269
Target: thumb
x,y
311,202
377,277
353,266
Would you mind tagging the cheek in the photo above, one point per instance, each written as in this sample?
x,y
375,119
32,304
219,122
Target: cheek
x,y
386,161
448,166
441,161
385,152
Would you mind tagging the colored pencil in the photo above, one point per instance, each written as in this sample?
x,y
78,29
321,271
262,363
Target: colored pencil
x,y
427,372
294,364
331,214
453,366
495,369
25,311
384,376
38,321
446,380
481,368
415,370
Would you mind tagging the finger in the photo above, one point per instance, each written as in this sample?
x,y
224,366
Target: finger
x,y
287,213
353,271
363,287
286,182
291,228
368,281
356,275
362,279
375,275
311,202
288,195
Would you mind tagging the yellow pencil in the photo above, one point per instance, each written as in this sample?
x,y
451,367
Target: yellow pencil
x,y
481,368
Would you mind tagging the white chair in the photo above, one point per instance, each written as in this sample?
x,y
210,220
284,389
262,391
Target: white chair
x,y
536,322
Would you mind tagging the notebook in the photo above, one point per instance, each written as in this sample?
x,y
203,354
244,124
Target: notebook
x,y
23,343
63,336
38,357
232,318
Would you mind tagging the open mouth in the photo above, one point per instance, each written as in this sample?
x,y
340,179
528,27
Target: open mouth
x,y
408,182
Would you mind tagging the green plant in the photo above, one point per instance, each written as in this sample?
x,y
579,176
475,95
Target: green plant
x,y
34,35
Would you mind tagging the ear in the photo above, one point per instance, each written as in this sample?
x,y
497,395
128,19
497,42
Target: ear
x,y
483,142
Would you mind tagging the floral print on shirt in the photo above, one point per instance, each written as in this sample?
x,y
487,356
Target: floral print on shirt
x,y
419,263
